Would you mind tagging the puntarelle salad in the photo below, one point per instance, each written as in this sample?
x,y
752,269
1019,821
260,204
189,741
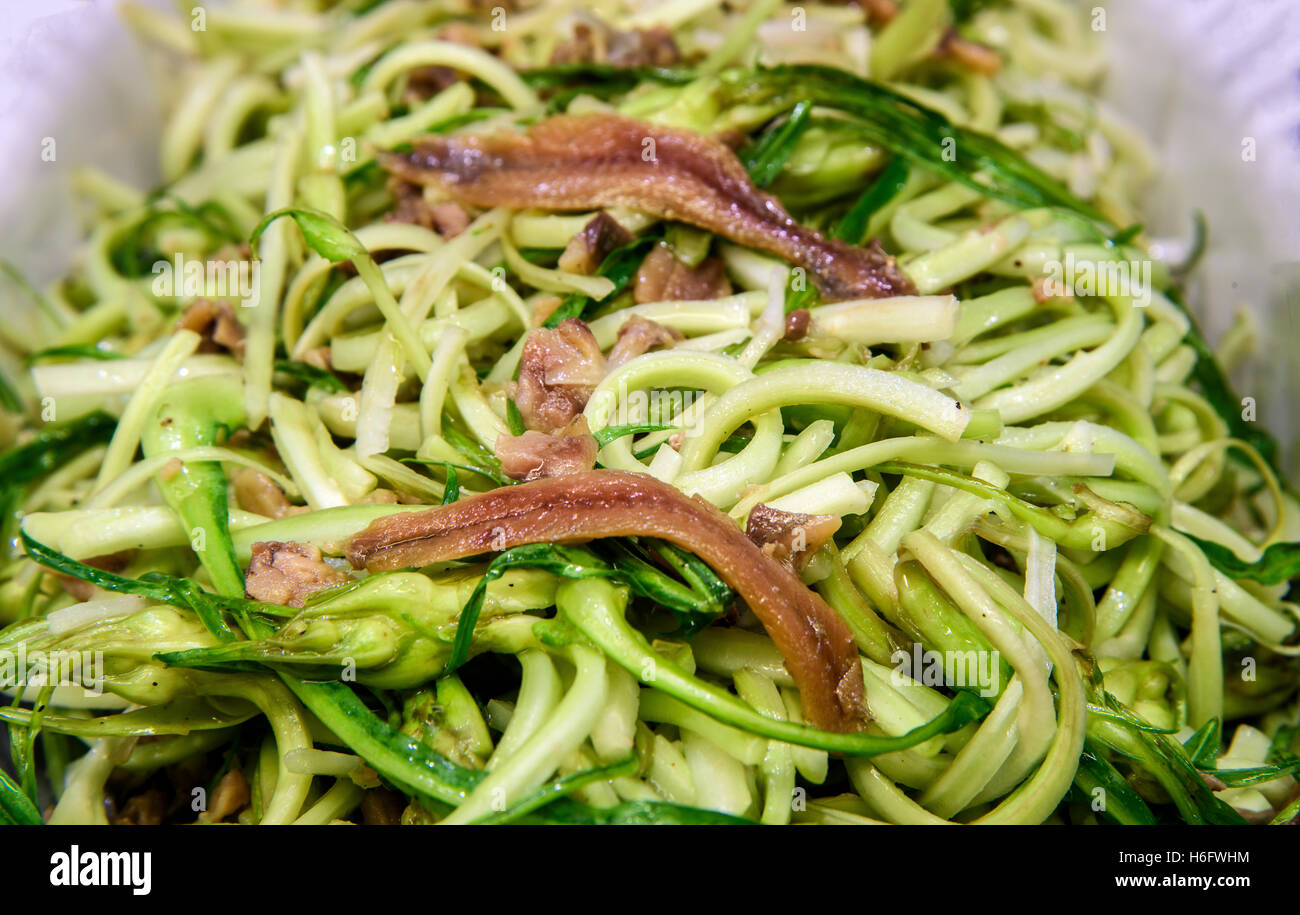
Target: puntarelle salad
x,y
636,411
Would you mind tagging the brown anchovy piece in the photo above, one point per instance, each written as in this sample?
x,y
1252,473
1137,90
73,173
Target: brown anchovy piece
x,y
817,645
581,162
789,537
663,278
599,238
534,454
558,370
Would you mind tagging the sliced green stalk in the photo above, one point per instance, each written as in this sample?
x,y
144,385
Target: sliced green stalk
x,y
595,608
196,413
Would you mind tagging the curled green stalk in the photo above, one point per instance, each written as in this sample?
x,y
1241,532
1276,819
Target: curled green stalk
x,y
442,784
596,609
195,413
696,600
1104,524
332,240
393,631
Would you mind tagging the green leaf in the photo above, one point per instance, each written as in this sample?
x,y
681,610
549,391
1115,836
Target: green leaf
x,y
1254,775
620,266
238,656
1124,236
853,227
564,561
16,809
1287,813
962,10
611,433
138,249
312,375
606,78
695,604
572,306
74,351
53,446
635,813
474,115
451,492
514,419
773,150
481,471
1283,738
155,586
22,747
480,460
1122,805
907,128
323,233
9,398
1120,521
566,784
1203,746
1163,758
409,764
213,217
47,450
1051,129
731,445
1279,562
